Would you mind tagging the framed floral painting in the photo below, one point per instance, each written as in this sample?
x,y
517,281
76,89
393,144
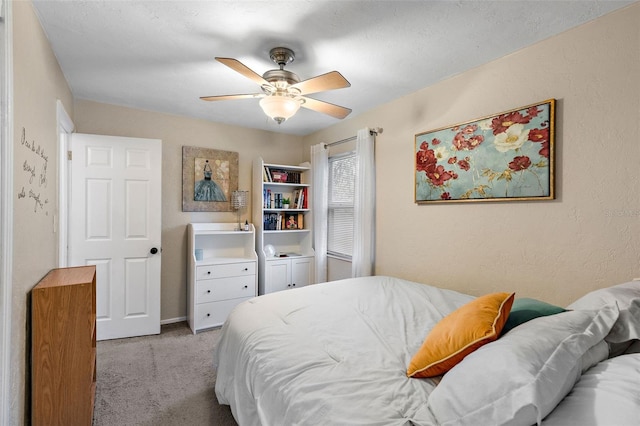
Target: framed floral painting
x,y
503,157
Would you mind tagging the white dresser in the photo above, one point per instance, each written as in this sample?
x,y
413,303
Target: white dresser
x,y
222,272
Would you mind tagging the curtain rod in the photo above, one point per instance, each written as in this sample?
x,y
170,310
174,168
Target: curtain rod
x,y
375,131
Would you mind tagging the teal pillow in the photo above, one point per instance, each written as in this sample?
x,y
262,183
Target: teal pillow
x,y
526,309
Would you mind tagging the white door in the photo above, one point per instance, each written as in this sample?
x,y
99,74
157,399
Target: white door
x,y
278,275
115,224
301,272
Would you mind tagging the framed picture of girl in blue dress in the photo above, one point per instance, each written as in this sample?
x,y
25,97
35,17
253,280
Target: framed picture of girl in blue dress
x,y
209,176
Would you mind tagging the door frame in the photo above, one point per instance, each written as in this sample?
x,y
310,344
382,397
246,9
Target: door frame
x,y
65,128
6,209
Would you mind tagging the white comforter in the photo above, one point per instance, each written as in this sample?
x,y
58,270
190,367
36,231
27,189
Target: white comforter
x,y
337,353
330,352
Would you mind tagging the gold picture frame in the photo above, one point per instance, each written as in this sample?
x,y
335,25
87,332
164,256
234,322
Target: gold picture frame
x,y
209,176
503,157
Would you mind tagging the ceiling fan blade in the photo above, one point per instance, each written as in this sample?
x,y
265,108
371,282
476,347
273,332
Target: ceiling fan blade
x,y
329,81
326,108
230,97
238,66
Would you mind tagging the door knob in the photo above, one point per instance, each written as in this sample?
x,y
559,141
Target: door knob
x,y
153,250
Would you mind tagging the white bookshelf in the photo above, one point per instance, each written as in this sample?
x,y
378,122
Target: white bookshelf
x,y
277,273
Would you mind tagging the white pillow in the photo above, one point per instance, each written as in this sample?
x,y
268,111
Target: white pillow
x,y
521,377
605,395
627,297
596,353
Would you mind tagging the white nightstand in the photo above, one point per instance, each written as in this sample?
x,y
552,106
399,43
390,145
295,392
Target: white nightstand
x,y
225,276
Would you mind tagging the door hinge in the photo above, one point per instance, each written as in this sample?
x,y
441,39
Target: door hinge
x,y
69,155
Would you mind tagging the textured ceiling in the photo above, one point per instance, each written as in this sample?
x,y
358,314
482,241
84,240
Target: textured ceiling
x,y
159,55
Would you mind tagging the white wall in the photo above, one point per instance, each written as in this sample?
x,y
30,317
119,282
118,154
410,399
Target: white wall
x,y
555,250
38,84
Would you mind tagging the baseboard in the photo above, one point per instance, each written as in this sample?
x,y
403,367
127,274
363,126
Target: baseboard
x,y
172,320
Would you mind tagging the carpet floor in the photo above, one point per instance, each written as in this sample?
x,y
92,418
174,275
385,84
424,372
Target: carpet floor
x,y
165,379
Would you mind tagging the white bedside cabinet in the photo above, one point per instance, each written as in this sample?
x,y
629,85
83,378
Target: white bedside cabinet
x,y
286,273
221,275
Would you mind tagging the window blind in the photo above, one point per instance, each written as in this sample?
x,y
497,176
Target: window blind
x,y
342,171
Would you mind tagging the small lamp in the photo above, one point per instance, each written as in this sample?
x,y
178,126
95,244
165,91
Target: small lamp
x,y
239,202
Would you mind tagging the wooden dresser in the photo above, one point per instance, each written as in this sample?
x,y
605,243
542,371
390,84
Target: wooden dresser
x,y
63,340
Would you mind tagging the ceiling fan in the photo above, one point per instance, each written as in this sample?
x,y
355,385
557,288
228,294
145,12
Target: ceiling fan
x,y
282,91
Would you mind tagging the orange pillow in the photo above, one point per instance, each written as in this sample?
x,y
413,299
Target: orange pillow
x,y
461,332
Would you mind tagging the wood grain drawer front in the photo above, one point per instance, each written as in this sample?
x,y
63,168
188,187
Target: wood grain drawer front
x,y
225,288
225,270
213,314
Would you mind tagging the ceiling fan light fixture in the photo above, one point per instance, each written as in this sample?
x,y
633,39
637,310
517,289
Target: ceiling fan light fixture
x,y
283,93
279,108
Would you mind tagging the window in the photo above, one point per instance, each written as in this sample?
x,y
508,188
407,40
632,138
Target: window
x,y
342,173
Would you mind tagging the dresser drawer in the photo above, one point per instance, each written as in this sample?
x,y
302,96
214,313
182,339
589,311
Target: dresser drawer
x,y
225,270
225,288
213,314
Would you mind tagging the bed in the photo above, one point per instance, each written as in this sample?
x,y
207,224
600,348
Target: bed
x,y
338,353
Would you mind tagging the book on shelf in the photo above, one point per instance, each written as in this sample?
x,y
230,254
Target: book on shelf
x,y
293,177
266,174
296,199
304,198
272,222
266,201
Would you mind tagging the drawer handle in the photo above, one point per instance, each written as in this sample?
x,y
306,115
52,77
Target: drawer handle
x,y
208,315
246,269
208,272
246,286
208,291
294,284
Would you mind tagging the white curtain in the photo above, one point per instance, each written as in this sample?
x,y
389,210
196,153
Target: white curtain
x,y
319,207
364,228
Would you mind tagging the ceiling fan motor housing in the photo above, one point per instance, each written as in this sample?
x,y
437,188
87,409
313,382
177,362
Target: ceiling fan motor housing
x,y
282,56
280,78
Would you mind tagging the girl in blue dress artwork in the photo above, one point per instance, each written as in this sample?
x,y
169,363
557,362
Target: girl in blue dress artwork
x,y
207,189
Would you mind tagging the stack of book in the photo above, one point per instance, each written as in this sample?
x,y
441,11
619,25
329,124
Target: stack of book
x,y
283,221
272,200
300,199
